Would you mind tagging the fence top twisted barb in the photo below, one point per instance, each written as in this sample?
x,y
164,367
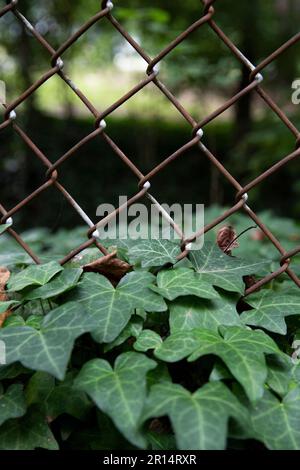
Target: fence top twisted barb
x,y
57,67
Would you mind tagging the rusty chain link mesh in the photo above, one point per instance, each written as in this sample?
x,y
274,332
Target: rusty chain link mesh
x,y
206,20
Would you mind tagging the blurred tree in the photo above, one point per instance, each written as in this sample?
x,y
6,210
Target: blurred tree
x,y
257,28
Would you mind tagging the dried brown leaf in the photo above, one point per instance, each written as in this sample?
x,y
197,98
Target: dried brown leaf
x,y
226,239
4,277
110,266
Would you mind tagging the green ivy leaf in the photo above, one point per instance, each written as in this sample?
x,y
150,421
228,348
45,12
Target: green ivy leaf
x,y
148,339
277,423
158,375
54,399
270,309
242,351
151,253
119,392
199,419
189,313
173,283
34,275
295,373
279,374
219,372
132,329
113,307
12,371
14,320
49,348
85,257
4,227
14,258
27,433
161,441
63,282
12,403
222,270
7,305
65,398
39,388
35,321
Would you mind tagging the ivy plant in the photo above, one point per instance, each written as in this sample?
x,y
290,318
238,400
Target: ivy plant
x,y
171,356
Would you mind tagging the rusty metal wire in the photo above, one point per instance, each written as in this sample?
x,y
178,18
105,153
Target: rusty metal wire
x,y
206,19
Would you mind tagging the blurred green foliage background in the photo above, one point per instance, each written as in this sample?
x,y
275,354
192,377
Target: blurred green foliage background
x,y
201,72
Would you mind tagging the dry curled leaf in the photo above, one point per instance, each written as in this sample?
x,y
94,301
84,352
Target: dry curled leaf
x,y
4,277
226,239
110,266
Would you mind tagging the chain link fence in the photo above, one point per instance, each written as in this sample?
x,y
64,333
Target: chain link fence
x,y
206,20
